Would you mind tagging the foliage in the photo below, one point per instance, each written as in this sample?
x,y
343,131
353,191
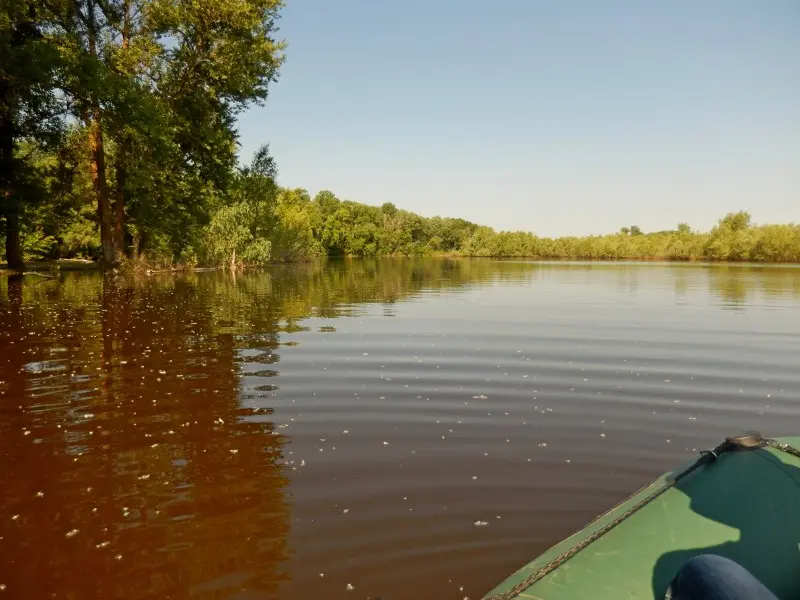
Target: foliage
x,y
118,141
293,230
231,237
79,236
239,232
153,89
37,245
347,228
30,109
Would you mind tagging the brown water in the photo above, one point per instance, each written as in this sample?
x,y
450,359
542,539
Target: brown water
x,y
285,433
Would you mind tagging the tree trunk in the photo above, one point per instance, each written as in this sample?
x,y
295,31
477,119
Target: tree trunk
x,y
23,30
119,204
122,155
9,202
94,123
135,241
100,183
142,246
13,241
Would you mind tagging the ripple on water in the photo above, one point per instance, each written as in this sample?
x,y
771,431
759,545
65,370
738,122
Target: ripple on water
x,y
432,426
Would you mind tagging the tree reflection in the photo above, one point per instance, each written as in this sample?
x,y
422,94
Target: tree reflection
x,y
733,286
144,477
137,464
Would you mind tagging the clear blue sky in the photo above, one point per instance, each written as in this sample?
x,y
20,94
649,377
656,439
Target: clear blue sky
x,y
557,117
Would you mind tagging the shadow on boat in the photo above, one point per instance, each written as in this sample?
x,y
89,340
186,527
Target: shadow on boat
x,y
762,502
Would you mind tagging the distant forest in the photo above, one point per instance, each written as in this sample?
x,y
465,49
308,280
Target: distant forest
x,y
118,143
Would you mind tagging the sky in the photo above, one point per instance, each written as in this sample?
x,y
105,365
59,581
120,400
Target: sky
x,y
558,117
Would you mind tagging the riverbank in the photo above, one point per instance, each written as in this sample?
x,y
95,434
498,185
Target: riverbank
x,y
143,268
62,264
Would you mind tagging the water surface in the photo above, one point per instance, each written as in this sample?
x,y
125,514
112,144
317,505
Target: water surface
x,y
293,432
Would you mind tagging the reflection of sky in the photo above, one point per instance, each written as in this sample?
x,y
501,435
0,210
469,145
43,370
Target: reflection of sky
x,y
194,418
635,291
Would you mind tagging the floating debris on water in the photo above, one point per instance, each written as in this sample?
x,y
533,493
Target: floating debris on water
x,y
72,533
481,523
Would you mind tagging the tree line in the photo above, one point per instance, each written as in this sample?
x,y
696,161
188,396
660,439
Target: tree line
x,y
118,143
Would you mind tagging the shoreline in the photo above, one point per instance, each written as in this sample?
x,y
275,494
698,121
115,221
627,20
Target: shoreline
x,y
42,267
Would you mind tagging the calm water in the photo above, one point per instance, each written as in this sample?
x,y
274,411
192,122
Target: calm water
x,y
287,433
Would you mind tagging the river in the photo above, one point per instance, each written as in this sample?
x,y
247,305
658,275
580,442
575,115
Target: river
x,y
402,429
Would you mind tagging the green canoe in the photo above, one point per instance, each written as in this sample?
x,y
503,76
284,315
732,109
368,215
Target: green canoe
x,y
742,503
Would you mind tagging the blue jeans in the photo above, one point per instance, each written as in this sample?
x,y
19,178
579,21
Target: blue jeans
x,y
711,577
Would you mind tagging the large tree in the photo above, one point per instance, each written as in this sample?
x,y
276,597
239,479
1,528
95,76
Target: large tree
x,y
29,108
158,85
223,56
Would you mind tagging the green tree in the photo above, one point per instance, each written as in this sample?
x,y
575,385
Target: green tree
x,y
57,217
158,85
739,221
732,238
146,160
222,57
296,221
29,109
232,239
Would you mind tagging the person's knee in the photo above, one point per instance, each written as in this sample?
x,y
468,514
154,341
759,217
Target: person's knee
x,y
710,565
700,575
712,577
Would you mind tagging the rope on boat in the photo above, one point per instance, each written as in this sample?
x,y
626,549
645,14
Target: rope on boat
x,y
748,441
783,447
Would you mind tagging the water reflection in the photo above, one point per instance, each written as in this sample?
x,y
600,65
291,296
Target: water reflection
x,y
141,455
131,468
734,286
